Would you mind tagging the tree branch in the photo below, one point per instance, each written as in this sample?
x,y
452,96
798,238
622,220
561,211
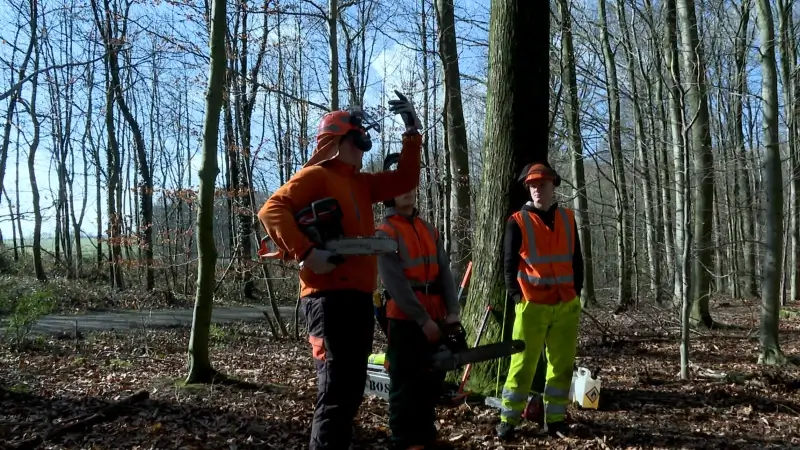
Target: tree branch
x,y
28,78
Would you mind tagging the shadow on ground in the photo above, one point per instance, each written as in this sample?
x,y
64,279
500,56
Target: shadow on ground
x,y
642,436
701,357
159,423
616,400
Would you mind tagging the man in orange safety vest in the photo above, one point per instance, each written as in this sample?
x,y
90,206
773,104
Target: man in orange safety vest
x,y
422,295
544,277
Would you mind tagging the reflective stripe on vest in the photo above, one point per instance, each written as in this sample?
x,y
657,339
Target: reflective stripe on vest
x,y
548,280
544,276
420,269
533,251
402,247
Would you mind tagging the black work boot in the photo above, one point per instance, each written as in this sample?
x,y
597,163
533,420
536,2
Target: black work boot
x,y
505,431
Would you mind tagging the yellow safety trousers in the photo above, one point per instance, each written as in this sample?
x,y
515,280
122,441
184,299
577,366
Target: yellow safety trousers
x,y
556,328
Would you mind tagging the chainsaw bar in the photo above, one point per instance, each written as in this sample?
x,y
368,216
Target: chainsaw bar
x,y
362,246
447,360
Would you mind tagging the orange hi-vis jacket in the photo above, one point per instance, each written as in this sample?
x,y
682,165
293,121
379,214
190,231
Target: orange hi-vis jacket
x,y
416,242
545,272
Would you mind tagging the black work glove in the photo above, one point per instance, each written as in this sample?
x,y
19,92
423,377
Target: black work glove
x,y
454,336
406,110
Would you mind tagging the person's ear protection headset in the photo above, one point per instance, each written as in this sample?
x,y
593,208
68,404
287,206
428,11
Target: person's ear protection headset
x,y
353,123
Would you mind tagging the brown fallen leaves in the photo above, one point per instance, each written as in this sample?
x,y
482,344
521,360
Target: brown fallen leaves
x,y
730,403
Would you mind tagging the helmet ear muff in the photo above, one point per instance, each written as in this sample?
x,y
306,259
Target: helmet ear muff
x,y
361,140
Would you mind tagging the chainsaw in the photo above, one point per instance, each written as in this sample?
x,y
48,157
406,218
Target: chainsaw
x,y
453,351
321,222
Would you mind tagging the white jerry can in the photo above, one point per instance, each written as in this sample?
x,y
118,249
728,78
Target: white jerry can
x,y
585,390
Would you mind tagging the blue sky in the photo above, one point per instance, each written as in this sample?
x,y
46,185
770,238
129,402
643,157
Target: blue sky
x,y
393,66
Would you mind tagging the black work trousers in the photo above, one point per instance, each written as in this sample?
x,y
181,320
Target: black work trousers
x,y
414,389
340,327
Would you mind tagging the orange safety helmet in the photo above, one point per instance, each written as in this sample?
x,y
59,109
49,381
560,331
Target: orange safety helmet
x,y
336,125
537,171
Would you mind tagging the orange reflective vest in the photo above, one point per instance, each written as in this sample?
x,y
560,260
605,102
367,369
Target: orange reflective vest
x,y
416,242
545,268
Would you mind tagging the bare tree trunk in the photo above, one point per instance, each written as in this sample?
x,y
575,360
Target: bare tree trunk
x,y
771,352
145,188
99,204
333,49
458,148
12,104
675,94
518,90
37,211
12,214
788,67
660,136
642,147
572,117
732,217
232,159
16,187
113,170
426,137
200,369
245,99
694,62
741,190
624,225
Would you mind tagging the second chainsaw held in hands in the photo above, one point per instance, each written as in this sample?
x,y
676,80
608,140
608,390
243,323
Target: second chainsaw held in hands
x,y
453,351
321,222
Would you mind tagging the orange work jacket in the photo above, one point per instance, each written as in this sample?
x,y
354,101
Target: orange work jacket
x,y
545,268
416,242
356,192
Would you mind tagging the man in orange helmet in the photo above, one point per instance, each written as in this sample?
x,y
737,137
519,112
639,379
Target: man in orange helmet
x,y
544,276
337,299
421,295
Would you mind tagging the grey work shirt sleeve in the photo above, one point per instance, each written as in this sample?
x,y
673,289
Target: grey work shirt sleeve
x,y
448,283
390,270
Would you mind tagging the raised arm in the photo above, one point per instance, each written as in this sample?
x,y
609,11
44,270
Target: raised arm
x,y
277,214
390,184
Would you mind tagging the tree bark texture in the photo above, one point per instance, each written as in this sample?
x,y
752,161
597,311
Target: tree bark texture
x,y
517,99
572,118
458,147
773,251
698,123
200,369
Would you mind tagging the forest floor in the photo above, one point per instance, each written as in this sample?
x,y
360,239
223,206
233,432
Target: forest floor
x,y
730,401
